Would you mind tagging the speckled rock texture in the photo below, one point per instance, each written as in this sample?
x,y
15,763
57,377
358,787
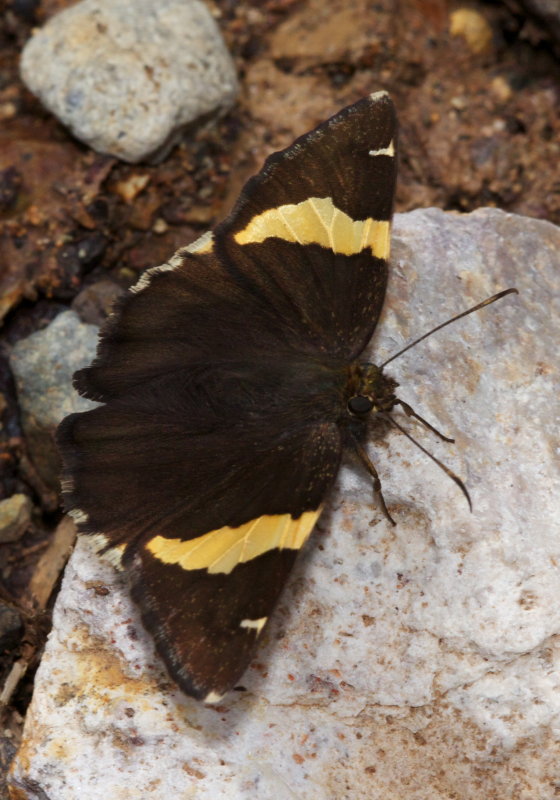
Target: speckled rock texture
x,y
127,77
421,661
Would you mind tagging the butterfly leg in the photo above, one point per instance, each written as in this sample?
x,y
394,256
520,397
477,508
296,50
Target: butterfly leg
x,y
455,478
368,464
410,412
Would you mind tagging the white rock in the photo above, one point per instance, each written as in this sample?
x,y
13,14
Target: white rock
x,y
127,77
416,662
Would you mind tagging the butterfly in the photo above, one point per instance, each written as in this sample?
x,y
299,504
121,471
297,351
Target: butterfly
x,y
230,381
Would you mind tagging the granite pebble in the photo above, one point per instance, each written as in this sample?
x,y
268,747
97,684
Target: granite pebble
x,y
126,78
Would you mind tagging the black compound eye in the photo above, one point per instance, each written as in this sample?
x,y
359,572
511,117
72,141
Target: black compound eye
x,y
360,404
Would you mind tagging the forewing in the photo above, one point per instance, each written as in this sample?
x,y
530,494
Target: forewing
x,y
180,318
298,269
311,232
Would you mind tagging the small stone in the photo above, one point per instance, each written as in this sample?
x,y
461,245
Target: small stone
x,y
8,110
501,89
459,103
160,226
129,189
473,27
127,77
15,516
43,365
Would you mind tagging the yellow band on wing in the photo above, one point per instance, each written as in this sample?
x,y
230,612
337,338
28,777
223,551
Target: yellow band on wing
x,y
318,221
221,550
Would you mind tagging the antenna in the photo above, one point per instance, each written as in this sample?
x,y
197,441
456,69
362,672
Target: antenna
x,y
449,321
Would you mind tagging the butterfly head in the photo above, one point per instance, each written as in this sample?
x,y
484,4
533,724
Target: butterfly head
x,y
369,391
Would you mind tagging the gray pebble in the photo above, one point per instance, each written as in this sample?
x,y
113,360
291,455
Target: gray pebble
x,y
43,365
127,77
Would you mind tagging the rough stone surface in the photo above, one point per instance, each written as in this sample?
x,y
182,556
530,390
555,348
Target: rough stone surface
x,y
127,77
43,365
15,516
421,661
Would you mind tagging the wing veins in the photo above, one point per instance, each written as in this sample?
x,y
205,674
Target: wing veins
x,y
283,535
327,227
246,538
289,227
365,233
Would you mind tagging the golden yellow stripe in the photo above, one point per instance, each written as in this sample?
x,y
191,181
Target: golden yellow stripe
x,y
221,550
318,221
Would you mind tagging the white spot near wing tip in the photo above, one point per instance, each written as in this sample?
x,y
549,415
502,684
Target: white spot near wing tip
x,y
375,96
384,151
213,697
256,624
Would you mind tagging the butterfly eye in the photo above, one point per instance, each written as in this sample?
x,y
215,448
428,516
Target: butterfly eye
x,y
360,404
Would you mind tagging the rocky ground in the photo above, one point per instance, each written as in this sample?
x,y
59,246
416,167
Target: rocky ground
x,y
477,91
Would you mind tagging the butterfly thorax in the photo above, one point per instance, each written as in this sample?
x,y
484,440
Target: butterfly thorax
x,y
369,390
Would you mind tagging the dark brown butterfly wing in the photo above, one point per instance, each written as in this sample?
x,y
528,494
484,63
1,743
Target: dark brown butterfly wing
x,y
223,376
310,234
207,523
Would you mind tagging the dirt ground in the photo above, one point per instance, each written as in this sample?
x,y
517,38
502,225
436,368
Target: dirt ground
x,y
477,87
